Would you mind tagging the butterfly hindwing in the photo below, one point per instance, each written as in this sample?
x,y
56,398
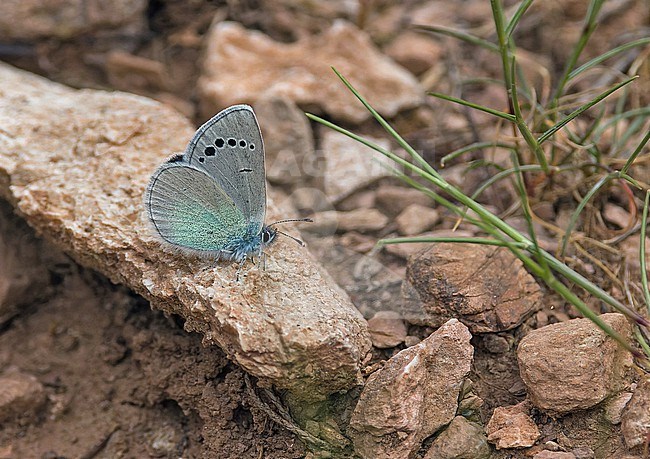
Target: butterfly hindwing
x,y
189,209
229,148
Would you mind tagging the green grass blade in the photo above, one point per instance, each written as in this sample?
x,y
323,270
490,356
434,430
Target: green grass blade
x,y
611,53
583,203
587,29
525,205
546,135
521,9
464,36
462,240
642,244
636,153
533,144
491,111
475,146
388,128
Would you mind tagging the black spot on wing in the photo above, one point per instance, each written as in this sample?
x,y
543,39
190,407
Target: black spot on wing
x,y
245,170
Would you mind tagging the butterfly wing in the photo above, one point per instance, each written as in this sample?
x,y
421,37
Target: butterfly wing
x,y
229,148
189,210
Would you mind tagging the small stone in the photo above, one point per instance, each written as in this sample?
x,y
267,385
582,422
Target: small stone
x,y
574,365
554,455
461,439
512,427
350,165
413,395
495,344
414,51
416,219
392,200
584,452
361,198
288,141
358,242
301,71
618,216
411,340
387,329
22,397
362,220
128,72
635,421
27,20
615,405
485,287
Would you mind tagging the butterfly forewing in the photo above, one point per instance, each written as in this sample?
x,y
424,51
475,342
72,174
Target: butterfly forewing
x,y
188,209
229,148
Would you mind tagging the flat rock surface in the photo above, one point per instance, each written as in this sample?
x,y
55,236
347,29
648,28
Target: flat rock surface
x,y
75,164
574,365
484,287
242,65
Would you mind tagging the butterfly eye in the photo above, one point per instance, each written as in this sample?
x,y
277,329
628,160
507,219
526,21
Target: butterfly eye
x,y
266,237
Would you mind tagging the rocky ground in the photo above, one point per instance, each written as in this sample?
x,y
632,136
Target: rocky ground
x,y
111,347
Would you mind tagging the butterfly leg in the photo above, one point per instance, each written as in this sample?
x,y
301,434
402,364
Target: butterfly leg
x,y
239,269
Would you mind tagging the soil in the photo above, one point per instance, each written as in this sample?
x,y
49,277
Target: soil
x,y
124,381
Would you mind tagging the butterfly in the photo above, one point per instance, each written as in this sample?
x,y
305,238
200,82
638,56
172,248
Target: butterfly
x,y
211,200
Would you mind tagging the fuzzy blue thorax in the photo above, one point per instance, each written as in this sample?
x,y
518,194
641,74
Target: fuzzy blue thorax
x,y
252,242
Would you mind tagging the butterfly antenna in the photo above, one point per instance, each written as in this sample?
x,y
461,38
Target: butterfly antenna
x,y
309,220
302,244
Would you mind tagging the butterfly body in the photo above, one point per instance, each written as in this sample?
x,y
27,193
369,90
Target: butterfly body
x,y
211,200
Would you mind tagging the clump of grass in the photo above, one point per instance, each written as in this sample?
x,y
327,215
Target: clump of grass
x,y
543,135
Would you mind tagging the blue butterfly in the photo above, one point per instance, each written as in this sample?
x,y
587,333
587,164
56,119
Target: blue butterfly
x,y
211,200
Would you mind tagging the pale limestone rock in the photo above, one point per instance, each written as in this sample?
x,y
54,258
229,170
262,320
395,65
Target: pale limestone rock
x,y
33,19
614,407
350,165
416,219
75,164
242,65
554,455
484,287
415,51
413,395
574,365
512,427
288,141
635,421
461,439
387,329
22,396
362,220
392,200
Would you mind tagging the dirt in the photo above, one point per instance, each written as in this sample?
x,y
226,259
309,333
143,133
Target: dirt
x,y
124,381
